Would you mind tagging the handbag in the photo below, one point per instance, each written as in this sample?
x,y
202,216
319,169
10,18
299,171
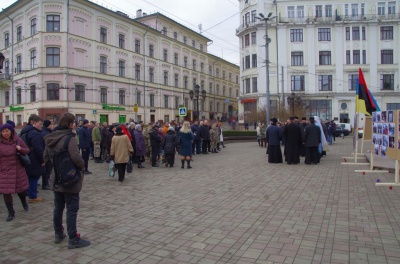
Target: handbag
x,y
25,161
111,169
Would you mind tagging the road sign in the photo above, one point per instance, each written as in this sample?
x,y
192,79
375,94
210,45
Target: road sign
x,y
94,112
182,111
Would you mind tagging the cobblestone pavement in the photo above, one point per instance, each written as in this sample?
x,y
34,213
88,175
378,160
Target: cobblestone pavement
x,y
232,207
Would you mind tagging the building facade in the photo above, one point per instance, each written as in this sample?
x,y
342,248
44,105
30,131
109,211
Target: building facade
x,y
101,65
315,52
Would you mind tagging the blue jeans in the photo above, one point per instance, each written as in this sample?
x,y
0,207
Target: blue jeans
x,y
71,201
33,184
329,139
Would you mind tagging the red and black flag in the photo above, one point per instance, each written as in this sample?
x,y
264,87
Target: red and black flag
x,y
365,101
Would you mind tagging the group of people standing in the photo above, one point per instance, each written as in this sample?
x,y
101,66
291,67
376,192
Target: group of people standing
x,y
305,139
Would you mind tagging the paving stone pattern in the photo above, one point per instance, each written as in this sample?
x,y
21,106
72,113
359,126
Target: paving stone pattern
x,y
232,207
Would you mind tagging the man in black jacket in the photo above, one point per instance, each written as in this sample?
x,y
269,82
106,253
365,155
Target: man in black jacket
x,y
312,139
47,129
205,136
155,141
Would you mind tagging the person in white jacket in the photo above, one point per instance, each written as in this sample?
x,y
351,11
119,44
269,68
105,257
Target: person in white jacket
x,y
258,134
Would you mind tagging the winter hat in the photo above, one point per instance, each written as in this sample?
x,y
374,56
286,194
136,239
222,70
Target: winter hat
x,y
137,126
171,129
46,123
85,121
7,126
118,130
11,123
110,128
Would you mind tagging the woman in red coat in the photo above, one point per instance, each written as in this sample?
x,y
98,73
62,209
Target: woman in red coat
x,y
13,177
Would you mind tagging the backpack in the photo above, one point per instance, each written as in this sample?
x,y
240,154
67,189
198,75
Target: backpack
x,y
24,138
66,173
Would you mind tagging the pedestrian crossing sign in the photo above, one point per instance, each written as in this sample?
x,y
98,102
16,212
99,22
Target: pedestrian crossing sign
x,y
182,111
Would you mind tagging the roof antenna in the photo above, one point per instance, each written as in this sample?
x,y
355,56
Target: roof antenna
x,y
200,28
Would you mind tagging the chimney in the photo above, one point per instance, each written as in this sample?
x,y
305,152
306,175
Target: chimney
x,y
139,13
144,14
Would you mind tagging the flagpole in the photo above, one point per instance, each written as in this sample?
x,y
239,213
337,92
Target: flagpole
x,y
357,119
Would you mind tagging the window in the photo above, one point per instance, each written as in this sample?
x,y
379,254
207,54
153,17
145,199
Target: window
x,y
325,82
151,51
7,67
346,9
176,80
165,78
176,102
348,61
355,33
33,26
356,57
324,58
210,70
201,47
223,91
53,91
52,57
121,96
253,38
121,41
363,33
247,18
217,72
18,95
230,92
246,40
218,105
164,31
217,91
300,11
353,81
194,65
386,32
247,62
53,23
318,11
347,33
297,58
230,75
19,33
103,35
165,55
32,89
387,81
137,72
184,40
175,35
254,84
7,98
296,35
151,100
33,59
381,8
193,43
364,56
121,68
79,93
202,67
247,85
253,61
386,56
290,10
328,11
19,64
324,34
210,88
103,95
297,82
138,96
176,58
6,40
393,106
185,62
103,64
137,45
354,9
151,75
391,7
166,101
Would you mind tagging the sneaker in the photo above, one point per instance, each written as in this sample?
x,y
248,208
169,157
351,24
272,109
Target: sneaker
x,y
87,172
36,200
77,242
58,238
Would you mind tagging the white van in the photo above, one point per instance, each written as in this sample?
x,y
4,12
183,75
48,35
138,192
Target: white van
x,y
344,125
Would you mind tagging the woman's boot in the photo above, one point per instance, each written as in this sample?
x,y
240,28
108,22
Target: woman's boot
x,y
183,164
188,164
22,197
11,212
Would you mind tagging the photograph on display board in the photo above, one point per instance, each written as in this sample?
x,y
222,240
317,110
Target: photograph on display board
x,y
383,151
379,139
379,130
398,144
392,143
378,116
392,129
375,128
374,117
385,142
390,116
399,129
374,139
383,116
376,149
385,128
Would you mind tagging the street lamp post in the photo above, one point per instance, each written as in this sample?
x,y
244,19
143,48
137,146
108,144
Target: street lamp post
x,y
194,95
292,100
267,41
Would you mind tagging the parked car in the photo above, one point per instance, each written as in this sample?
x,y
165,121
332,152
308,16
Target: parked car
x,y
341,132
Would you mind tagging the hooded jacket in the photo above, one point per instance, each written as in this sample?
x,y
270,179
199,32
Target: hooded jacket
x,y
54,142
35,143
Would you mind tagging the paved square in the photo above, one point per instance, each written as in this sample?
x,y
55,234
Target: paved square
x,y
232,207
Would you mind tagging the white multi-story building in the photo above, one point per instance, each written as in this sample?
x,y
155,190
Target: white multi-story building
x,y
315,52
80,57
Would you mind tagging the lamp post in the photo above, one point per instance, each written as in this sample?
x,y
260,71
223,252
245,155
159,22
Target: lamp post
x,y
267,41
194,95
292,100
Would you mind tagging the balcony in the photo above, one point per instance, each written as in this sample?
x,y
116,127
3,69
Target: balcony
x,y
339,18
5,76
248,26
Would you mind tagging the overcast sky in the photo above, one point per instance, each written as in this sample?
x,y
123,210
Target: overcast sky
x,y
219,19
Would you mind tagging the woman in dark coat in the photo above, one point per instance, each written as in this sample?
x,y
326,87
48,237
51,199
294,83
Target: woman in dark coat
x,y
169,144
140,146
13,177
185,144
110,134
274,135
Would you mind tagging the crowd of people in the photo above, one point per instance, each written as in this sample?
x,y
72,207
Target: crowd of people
x,y
307,138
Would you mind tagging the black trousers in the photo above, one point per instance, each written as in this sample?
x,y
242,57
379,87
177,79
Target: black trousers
x,y
121,168
85,157
71,201
205,145
46,175
312,155
154,154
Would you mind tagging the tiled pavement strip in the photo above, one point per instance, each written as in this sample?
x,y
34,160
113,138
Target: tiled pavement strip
x,y
232,207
